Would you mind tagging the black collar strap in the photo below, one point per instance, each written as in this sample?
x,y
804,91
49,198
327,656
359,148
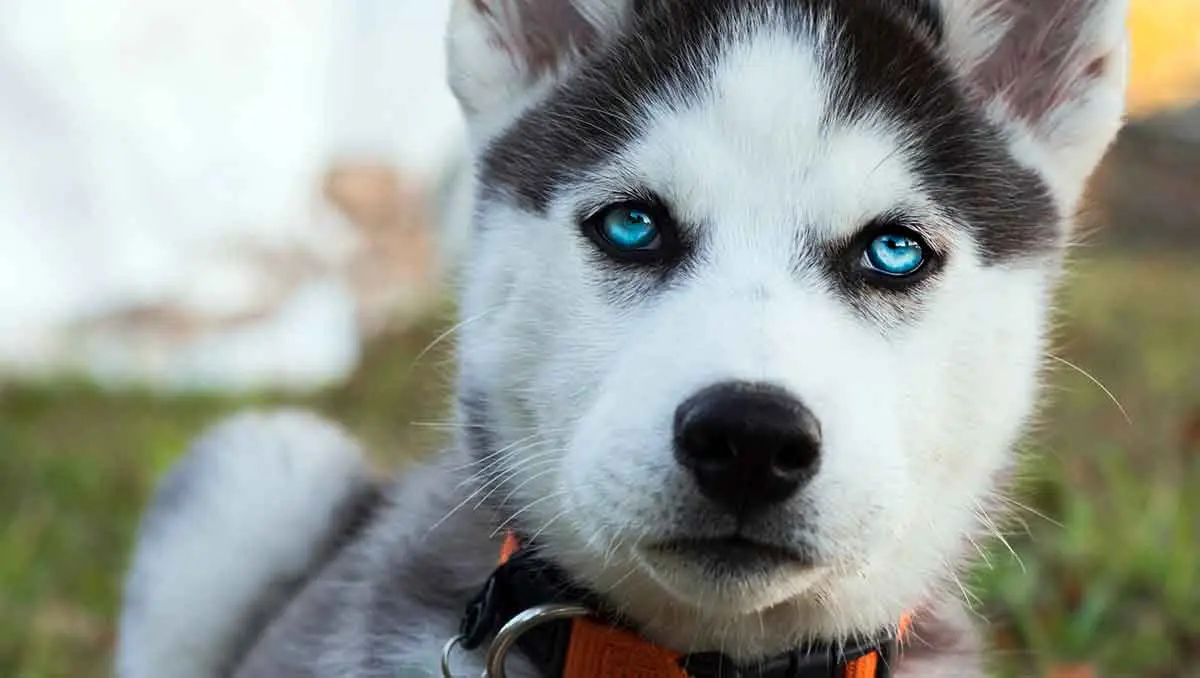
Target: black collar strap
x,y
524,582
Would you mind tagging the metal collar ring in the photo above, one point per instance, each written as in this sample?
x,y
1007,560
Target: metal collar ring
x,y
507,636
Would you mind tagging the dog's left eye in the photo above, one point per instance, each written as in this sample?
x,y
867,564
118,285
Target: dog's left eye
x,y
629,227
894,254
636,232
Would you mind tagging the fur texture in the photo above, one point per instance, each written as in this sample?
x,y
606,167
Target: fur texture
x,y
252,510
774,136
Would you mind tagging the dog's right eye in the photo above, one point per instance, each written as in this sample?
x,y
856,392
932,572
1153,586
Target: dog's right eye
x,y
629,228
632,231
890,255
895,255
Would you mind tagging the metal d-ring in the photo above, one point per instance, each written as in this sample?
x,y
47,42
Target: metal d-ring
x,y
447,650
507,636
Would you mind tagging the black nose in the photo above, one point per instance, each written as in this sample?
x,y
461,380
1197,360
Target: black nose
x,y
748,445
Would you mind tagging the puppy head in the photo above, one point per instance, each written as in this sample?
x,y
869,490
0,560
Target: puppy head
x,y
756,293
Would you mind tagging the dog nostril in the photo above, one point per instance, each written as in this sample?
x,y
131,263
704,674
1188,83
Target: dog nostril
x,y
801,453
747,445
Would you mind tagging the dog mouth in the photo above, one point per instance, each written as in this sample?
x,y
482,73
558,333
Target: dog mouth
x,y
734,554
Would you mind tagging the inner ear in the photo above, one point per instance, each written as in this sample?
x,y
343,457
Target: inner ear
x,y
500,51
1050,52
1051,72
538,33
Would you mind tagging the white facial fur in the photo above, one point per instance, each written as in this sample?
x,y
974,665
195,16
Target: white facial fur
x,y
918,411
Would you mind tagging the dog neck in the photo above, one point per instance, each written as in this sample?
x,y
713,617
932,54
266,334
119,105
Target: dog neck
x,y
452,551
564,631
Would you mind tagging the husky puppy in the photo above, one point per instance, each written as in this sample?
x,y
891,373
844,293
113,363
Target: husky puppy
x,y
754,309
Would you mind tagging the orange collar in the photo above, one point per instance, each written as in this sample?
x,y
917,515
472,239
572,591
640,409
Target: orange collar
x,y
590,648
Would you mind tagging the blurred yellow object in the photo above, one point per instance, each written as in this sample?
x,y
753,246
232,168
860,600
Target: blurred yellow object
x,y
1166,54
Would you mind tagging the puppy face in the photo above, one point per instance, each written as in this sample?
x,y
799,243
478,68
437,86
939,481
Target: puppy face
x,y
755,302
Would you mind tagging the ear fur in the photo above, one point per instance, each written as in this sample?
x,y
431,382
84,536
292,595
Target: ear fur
x,y
1051,72
503,53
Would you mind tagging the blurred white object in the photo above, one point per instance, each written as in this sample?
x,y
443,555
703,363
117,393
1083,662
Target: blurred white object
x,y
310,339
147,145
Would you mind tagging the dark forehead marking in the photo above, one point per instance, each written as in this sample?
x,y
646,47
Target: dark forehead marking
x,y
889,67
924,15
596,112
963,160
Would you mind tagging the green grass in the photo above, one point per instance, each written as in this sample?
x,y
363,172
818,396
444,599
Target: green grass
x,y
1109,572
1110,576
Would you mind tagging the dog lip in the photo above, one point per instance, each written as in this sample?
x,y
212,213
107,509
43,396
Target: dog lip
x,y
734,548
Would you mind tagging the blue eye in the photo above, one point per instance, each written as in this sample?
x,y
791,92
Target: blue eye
x,y
629,228
894,255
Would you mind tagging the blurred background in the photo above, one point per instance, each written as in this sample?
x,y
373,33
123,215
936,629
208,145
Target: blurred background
x,y
207,205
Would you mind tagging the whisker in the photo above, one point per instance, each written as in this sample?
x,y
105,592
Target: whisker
x,y
987,561
995,531
485,459
547,524
1030,509
457,507
500,465
512,472
971,600
1095,381
493,481
504,525
552,463
448,333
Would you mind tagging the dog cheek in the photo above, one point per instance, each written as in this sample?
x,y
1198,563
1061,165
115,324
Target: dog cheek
x,y
611,463
973,365
990,339
620,463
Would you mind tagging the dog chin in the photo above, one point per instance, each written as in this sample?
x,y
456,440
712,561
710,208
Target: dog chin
x,y
736,579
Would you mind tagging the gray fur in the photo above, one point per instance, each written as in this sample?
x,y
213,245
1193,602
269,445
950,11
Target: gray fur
x,y
213,515
960,119
390,600
387,603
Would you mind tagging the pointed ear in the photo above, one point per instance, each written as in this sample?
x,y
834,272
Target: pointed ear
x,y
1052,72
503,53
